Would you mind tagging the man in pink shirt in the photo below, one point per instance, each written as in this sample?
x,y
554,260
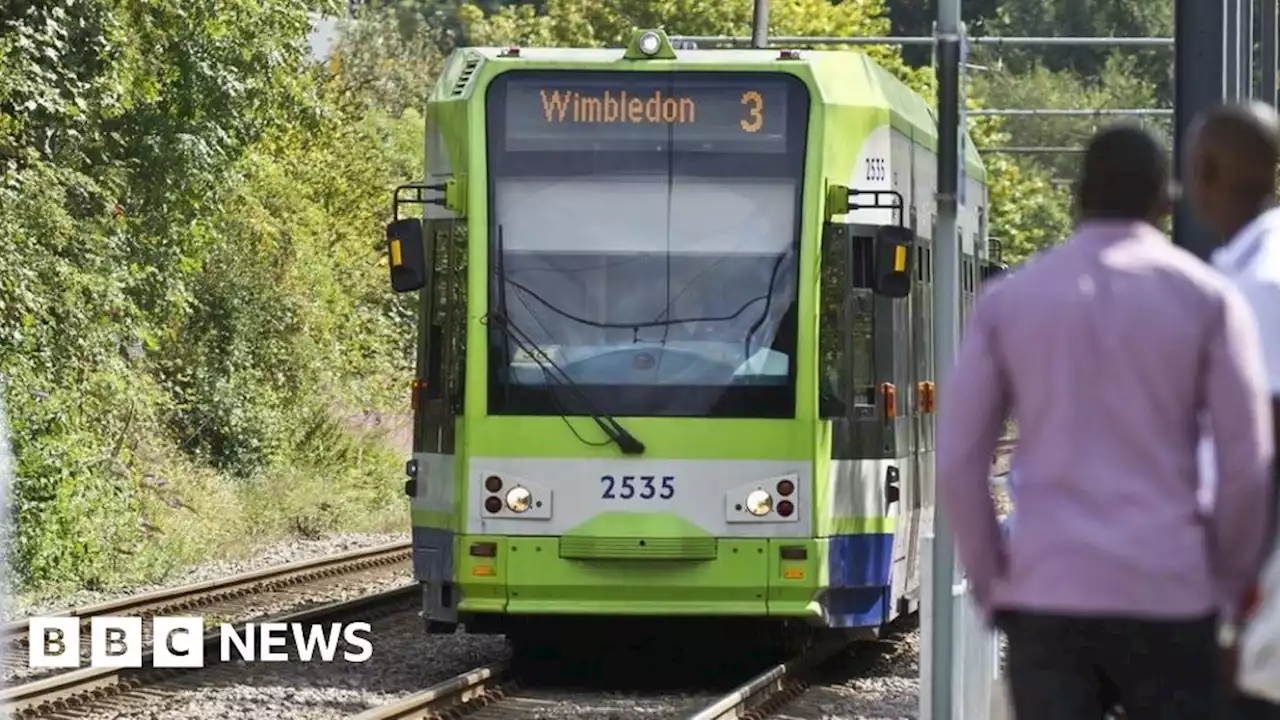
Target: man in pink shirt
x,y
1108,350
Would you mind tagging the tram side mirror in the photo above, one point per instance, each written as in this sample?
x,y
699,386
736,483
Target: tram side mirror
x,y
993,270
406,255
893,261
831,407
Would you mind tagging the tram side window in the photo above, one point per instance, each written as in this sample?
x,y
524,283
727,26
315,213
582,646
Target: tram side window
x,y
450,283
846,338
833,371
861,323
455,274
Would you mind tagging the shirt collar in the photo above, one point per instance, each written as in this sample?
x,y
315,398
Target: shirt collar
x,y
1107,231
1245,244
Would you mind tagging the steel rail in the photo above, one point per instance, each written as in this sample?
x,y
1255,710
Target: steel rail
x,y
186,597
771,688
76,687
472,686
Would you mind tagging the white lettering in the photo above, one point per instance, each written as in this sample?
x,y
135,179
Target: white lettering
x,y
315,636
55,642
115,642
230,637
274,635
353,638
177,642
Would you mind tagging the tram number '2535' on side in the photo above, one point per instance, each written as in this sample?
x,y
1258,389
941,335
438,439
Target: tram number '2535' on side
x,y
644,487
875,169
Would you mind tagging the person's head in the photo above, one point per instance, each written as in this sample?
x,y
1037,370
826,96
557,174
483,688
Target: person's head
x,y
1233,154
1124,176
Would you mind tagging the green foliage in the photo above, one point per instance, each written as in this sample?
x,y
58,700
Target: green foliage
x,y
1098,18
1029,192
1120,84
389,58
189,279
575,23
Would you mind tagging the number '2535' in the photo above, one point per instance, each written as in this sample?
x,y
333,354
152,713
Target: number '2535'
x,y
645,487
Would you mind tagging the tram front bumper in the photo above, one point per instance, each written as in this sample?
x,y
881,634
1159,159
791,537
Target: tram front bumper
x,y
746,578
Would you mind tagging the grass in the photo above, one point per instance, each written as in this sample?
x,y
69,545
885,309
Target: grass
x,y
351,481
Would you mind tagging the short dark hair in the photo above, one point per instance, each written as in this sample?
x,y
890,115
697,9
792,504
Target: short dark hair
x,y
1125,174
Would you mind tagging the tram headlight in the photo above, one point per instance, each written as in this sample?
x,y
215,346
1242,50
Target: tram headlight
x,y
759,503
650,43
519,499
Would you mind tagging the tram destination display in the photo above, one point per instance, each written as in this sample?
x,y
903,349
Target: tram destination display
x,y
564,112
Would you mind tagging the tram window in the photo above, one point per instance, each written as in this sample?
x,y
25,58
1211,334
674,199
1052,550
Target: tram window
x,y
832,367
862,327
846,338
863,269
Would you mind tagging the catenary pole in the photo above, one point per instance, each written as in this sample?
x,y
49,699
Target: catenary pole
x,y
1267,58
760,24
1231,48
946,335
1199,83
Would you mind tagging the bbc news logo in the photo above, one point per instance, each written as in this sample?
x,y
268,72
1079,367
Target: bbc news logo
x,y
179,642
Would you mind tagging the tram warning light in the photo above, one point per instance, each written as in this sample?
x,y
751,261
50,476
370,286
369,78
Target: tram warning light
x,y
889,394
925,391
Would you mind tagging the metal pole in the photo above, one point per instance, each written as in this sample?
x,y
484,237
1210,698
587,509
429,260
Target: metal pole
x,y
1247,39
1033,150
1268,59
1073,112
1229,49
760,25
946,334
1198,85
921,40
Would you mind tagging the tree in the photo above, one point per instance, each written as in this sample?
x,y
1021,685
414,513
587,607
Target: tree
x,y
1091,18
387,58
189,268
1120,84
582,23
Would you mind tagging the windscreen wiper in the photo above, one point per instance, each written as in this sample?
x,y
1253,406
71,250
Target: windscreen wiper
x,y
618,434
615,432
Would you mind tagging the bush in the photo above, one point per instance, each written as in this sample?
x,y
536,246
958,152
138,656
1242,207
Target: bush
x,y
191,301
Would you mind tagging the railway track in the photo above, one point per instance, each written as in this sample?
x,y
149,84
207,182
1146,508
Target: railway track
x,y
489,692
74,693
237,597
495,692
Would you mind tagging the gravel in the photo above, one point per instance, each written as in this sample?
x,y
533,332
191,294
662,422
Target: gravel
x,y
279,553
880,680
875,681
548,704
404,661
257,605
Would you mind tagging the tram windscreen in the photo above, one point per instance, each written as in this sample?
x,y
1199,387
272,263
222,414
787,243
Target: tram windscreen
x,y
645,236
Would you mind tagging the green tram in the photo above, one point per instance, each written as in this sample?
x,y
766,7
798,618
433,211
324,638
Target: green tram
x,y
674,336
